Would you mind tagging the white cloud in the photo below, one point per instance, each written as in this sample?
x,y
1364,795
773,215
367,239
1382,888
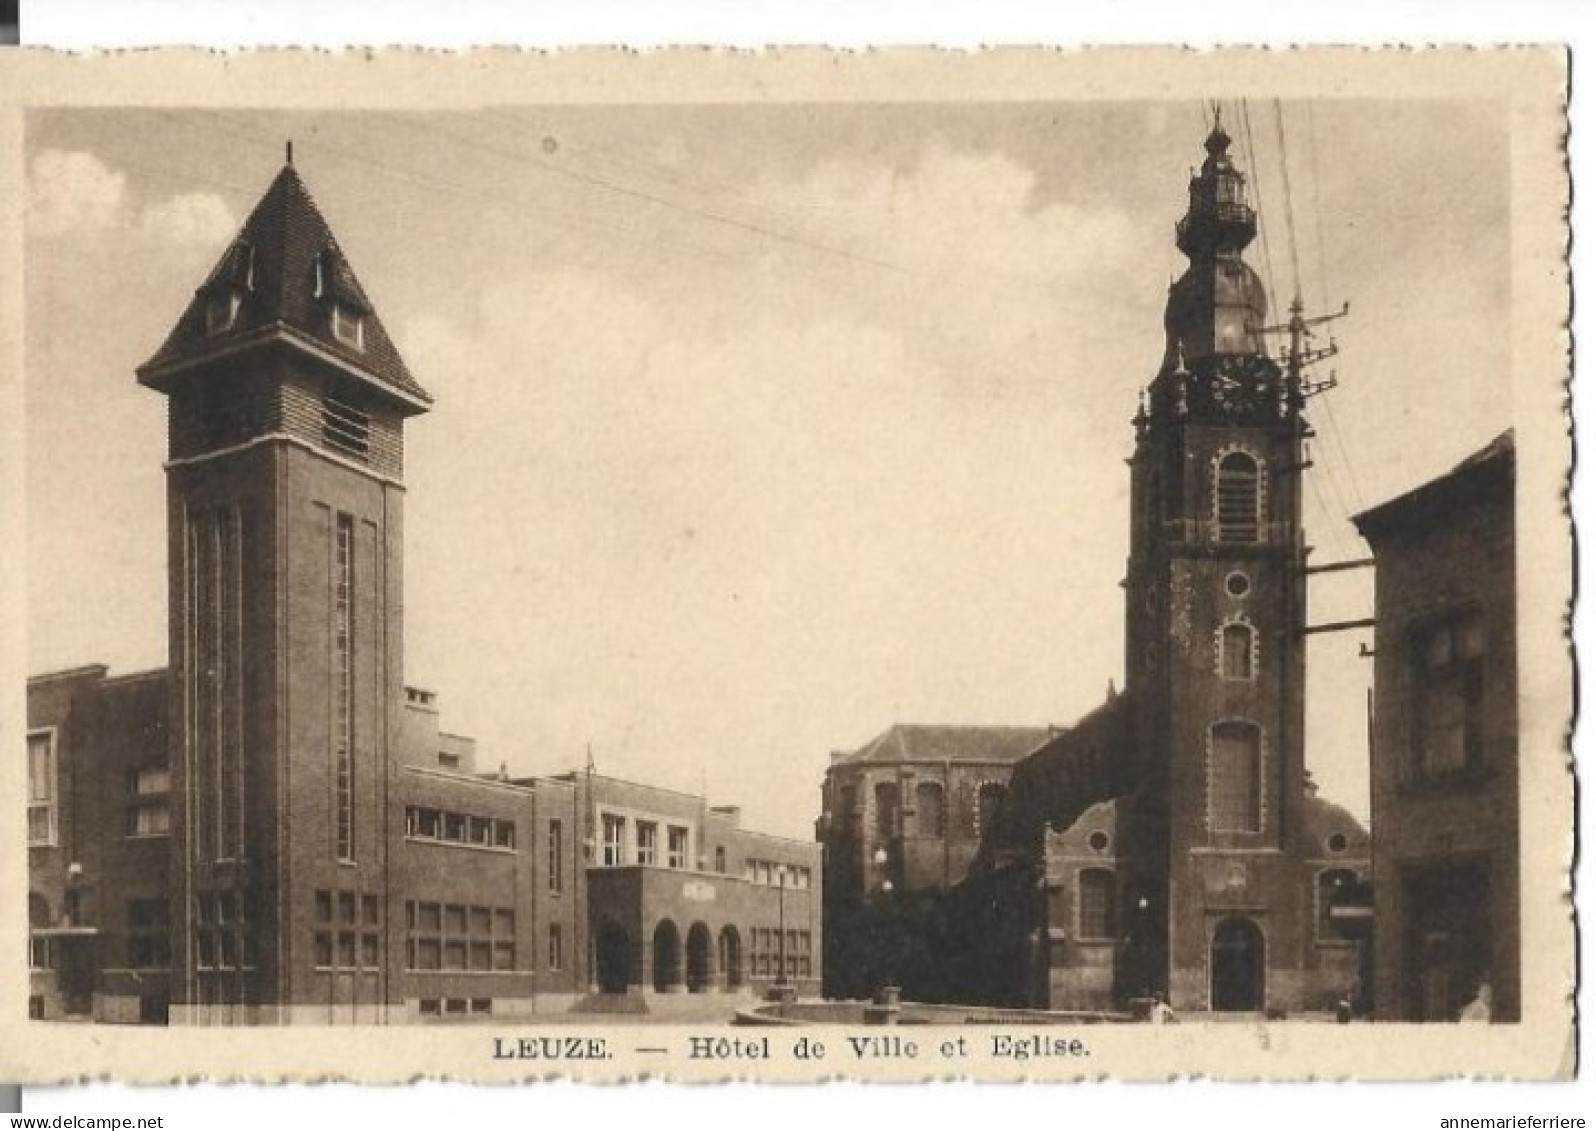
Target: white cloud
x,y
192,218
73,193
719,520
76,194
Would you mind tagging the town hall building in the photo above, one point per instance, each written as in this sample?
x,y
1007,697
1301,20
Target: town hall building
x,y
273,828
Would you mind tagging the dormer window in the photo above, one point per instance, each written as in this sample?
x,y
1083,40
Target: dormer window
x,y
342,298
224,291
221,311
348,326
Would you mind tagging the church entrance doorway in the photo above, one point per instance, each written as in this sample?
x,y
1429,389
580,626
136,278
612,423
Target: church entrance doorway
x,y
1236,967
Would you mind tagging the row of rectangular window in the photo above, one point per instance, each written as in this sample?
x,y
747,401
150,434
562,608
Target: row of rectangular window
x,y
773,874
460,919
351,908
453,936
219,907
347,950
449,827
930,810
454,1006
223,948
645,843
769,965
766,938
423,953
766,951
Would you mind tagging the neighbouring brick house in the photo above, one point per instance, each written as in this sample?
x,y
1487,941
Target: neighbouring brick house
x,y
1444,760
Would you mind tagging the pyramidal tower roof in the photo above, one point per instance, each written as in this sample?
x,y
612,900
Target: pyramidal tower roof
x,y
284,279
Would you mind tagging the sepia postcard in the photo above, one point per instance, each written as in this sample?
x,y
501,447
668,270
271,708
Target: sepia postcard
x,y
1014,565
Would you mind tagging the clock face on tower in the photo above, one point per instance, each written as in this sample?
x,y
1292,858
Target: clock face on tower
x,y
1241,389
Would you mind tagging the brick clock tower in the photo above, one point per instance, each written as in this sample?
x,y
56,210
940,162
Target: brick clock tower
x,y
1215,618
287,403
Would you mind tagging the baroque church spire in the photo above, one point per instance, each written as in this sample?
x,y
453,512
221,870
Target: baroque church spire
x,y
1215,358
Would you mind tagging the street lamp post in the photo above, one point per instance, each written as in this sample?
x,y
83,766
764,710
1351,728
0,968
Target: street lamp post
x,y
889,931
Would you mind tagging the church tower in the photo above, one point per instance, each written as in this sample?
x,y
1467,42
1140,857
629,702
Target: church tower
x,y
287,404
1214,620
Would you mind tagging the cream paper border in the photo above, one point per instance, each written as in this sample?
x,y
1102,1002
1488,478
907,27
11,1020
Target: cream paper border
x,y
1532,81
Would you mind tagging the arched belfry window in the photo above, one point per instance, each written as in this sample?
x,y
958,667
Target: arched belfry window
x,y
1238,644
1238,498
1235,777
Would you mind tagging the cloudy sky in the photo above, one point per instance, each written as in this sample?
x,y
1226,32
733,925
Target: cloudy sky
x,y
759,429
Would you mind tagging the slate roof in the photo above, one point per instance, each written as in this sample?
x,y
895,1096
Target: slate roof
x,y
1461,485
272,263
910,743
1078,767
1321,818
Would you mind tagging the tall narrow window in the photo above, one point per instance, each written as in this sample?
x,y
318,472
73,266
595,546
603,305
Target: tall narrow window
x,y
343,688
1097,904
229,658
203,697
928,808
1235,650
614,840
1237,499
647,842
676,846
556,857
1448,665
214,649
41,787
886,810
1235,779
